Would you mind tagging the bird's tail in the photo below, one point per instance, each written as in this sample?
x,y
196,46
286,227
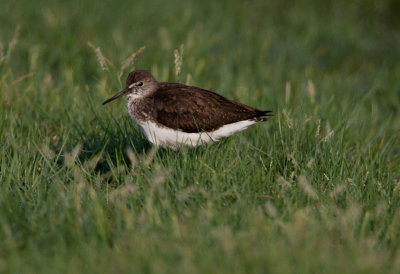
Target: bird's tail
x,y
263,115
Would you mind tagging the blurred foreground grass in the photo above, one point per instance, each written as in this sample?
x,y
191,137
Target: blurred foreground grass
x,y
315,189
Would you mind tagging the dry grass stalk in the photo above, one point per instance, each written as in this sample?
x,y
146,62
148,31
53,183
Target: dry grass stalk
x,y
311,91
287,119
288,90
283,183
100,57
178,60
69,158
328,136
13,42
318,131
132,157
306,187
129,62
270,209
23,77
46,151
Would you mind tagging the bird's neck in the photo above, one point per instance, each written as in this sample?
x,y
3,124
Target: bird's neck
x,y
138,108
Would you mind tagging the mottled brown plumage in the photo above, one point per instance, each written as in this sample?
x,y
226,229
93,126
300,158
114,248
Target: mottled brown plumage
x,y
193,109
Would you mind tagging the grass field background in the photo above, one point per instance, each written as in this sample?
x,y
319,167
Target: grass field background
x,y
315,189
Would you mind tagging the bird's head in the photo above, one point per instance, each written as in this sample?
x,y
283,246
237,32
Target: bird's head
x,y
138,84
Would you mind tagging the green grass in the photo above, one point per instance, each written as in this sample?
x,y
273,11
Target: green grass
x,y
315,189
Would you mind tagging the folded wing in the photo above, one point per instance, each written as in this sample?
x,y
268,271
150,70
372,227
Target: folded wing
x,y
194,110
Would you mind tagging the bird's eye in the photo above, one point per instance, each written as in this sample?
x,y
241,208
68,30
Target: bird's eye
x,y
140,84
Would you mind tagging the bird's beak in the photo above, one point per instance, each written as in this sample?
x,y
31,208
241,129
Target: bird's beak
x,y
119,94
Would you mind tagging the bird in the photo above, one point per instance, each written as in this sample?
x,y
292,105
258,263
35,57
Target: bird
x,y
174,115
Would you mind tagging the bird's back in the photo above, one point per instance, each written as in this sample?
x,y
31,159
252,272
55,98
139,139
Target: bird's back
x,y
193,109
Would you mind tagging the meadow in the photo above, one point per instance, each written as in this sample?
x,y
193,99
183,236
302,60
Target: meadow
x,y
316,189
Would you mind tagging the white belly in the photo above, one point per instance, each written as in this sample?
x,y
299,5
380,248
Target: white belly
x,y
173,138
167,137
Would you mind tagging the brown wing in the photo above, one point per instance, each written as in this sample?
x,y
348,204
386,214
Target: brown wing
x,y
192,109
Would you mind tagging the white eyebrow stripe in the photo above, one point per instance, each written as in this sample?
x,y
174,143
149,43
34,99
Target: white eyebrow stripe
x,y
131,86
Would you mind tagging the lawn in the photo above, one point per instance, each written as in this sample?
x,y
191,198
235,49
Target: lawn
x,y
316,189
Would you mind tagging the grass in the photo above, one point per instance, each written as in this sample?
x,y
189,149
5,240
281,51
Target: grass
x,y
315,189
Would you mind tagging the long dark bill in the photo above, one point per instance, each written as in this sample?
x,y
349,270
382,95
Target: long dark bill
x,y
116,96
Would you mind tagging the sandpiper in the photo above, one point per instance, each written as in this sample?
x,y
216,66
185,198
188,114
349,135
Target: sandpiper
x,y
173,114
